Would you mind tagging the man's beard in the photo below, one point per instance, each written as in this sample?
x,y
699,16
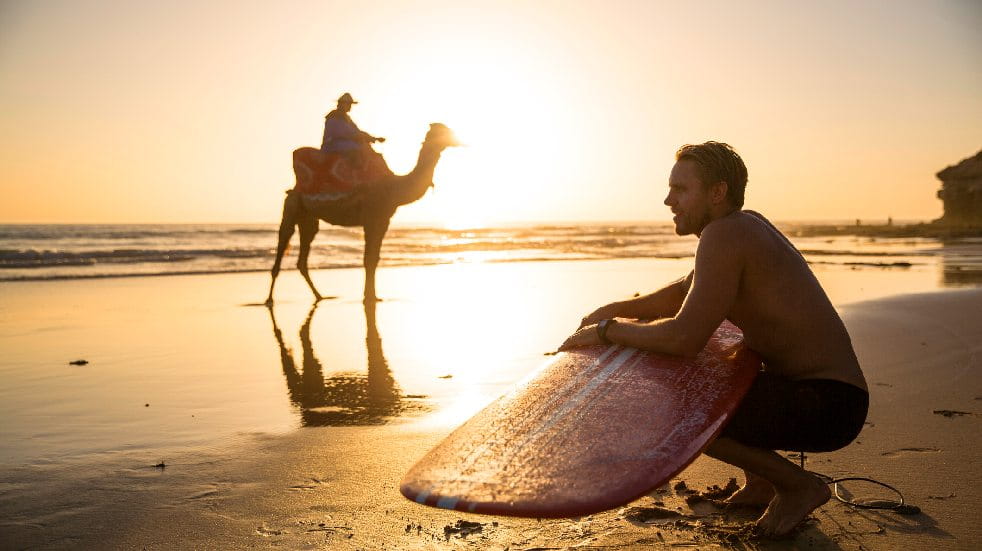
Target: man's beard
x,y
693,222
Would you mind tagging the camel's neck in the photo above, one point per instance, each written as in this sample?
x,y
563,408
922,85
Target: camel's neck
x,y
420,178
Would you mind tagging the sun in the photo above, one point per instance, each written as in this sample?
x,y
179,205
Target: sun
x,y
514,119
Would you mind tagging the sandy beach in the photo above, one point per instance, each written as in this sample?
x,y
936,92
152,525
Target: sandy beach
x,y
203,420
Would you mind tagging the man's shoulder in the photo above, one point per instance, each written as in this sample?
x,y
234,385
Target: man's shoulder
x,y
728,227
722,236
741,222
738,231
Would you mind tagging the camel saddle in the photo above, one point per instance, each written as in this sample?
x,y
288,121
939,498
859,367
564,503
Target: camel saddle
x,y
329,174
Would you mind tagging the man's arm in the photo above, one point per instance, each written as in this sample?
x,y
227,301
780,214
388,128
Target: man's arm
x,y
663,303
715,282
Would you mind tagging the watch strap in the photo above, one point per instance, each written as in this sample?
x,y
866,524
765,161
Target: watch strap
x,y
602,328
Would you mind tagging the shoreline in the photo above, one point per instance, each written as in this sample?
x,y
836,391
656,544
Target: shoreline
x,y
880,265
56,253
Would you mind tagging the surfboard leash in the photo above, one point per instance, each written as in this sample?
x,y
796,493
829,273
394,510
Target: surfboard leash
x,y
900,506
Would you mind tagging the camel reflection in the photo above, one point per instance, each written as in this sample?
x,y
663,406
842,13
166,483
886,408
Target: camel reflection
x,y
343,399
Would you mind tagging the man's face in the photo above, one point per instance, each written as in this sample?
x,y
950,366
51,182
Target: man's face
x,y
689,200
344,106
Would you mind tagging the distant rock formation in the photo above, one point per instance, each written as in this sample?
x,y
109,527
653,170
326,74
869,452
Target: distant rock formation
x,y
961,192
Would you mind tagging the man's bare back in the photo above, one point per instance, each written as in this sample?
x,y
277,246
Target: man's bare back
x,y
782,309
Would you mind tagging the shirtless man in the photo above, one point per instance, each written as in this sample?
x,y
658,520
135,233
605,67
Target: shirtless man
x,y
810,394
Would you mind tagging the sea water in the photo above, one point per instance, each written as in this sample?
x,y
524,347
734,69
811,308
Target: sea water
x,y
41,252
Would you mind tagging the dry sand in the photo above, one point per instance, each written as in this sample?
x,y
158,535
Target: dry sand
x,y
337,487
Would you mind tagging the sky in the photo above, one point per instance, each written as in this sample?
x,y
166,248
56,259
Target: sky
x,y
186,111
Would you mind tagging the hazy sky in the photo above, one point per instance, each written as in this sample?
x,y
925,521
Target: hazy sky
x,y
187,111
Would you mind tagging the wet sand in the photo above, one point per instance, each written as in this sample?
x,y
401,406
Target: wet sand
x,y
293,430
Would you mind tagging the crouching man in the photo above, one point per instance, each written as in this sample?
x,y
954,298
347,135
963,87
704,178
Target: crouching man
x,y
810,394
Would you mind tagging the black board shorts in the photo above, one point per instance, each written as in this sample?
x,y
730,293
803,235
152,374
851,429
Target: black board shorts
x,y
810,415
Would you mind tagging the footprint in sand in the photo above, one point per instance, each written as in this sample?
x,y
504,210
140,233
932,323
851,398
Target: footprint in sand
x,y
204,494
904,451
310,484
267,532
643,516
324,508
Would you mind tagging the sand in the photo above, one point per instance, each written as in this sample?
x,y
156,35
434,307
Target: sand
x,y
242,472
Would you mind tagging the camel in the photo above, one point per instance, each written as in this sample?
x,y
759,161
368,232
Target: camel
x,y
370,206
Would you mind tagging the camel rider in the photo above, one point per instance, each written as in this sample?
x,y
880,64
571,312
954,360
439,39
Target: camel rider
x,y
342,135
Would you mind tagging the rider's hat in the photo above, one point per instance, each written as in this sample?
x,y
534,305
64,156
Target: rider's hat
x,y
346,98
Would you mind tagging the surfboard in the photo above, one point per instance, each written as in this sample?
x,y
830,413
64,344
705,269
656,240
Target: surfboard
x,y
592,429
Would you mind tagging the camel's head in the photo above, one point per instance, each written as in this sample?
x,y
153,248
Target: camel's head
x,y
441,136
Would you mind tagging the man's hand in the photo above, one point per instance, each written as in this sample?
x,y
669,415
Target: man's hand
x,y
584,336
380,140
604,312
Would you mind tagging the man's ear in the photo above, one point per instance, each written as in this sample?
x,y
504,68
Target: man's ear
x,y
718,192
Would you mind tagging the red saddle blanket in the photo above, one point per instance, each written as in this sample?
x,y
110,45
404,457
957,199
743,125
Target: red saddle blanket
x,y
320,172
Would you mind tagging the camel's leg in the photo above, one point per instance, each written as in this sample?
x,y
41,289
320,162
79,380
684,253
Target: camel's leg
x,y
287,225
374,233
308,229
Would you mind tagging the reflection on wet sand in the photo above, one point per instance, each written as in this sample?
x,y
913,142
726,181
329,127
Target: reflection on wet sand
x,y
961,267
342,399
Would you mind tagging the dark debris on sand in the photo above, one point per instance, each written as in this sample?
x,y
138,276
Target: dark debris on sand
x,y
462,529
650,515
715,492
681,489
347,531
79,362
951,413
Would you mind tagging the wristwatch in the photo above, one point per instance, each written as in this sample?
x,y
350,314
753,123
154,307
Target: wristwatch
x,y
602,328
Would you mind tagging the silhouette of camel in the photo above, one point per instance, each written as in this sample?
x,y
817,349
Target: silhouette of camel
x,y
370,206
345,399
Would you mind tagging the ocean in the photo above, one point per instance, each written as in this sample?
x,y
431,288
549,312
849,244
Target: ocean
x,y
45,252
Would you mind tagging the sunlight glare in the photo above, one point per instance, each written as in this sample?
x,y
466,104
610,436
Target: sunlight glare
x,y
512,114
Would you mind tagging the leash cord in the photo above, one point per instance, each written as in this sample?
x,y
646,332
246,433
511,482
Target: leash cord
x,y
899,507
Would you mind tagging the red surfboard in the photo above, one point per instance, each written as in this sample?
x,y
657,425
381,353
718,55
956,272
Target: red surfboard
x,y
595,428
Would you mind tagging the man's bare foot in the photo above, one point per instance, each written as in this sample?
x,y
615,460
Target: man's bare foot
x,y
757,492
748,496
791,506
